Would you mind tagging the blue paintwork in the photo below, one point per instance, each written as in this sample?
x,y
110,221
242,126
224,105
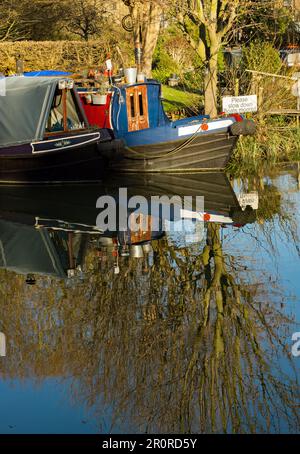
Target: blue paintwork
x,y
161,129
157,116
46,73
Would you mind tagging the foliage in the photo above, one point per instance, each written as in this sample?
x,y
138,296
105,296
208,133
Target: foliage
x,y
269,147
25,19
163,65
269,21
64,19
86,18
262,56
173,55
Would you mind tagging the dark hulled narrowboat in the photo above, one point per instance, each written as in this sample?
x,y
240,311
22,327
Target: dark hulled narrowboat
x,y
45,135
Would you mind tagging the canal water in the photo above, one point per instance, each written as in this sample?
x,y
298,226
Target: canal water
x,y
189,329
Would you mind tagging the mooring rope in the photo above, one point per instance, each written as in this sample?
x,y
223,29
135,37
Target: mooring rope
x,y
171,152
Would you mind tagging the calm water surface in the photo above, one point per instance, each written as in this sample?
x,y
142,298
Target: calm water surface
x,y
157,332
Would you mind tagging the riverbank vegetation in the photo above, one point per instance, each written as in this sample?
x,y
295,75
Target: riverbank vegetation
x,y
210,46
271,146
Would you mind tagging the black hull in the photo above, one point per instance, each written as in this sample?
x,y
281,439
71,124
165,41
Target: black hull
x,y
77,203
78,164
203,153
91,162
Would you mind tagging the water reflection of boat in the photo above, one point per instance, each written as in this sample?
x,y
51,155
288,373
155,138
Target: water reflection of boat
x,y
77,203
182,331
48,230
30,251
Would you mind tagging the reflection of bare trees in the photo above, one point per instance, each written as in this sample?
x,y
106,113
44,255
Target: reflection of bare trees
x,y
177,342
276,212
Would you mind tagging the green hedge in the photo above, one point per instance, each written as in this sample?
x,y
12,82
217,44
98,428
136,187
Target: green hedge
x,y
64,55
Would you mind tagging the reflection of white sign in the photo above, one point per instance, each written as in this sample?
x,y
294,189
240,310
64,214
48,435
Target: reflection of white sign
x,y
250,199
239,104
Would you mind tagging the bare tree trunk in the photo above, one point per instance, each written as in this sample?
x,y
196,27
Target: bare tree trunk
x,y
146,25
152,27
211,87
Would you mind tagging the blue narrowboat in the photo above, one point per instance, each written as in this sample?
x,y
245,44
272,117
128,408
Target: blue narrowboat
x,y
152,142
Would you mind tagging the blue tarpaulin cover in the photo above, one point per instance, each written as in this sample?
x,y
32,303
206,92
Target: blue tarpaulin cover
x,y
46,73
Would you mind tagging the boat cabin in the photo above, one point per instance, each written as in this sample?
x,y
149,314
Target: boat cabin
x,y
126,108
35,108
137,107
135,113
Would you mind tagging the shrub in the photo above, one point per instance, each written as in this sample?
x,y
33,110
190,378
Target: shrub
x,y
174,55
262,56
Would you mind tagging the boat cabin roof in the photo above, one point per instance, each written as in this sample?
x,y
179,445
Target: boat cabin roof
x,y
26,106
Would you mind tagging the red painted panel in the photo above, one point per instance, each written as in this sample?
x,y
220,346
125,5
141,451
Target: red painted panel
x,y
97,115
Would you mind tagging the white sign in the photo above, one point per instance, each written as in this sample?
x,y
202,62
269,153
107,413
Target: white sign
x,y
239,104
248,199
293,59
296,86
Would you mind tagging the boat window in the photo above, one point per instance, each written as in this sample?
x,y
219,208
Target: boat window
x,y
74,119
56,117
132,110
141,104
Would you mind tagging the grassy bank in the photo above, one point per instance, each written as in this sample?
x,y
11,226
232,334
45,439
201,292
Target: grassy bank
x,y
271,146
176,100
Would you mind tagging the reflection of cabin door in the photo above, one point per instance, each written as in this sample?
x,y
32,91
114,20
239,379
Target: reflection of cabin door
x,y
137,108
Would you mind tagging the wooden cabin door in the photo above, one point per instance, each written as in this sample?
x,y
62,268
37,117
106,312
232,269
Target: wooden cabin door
x,y
137,108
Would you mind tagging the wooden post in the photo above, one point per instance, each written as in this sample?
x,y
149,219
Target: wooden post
x,y
298,101
64,101
236,87
254,84
19,67
260,100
